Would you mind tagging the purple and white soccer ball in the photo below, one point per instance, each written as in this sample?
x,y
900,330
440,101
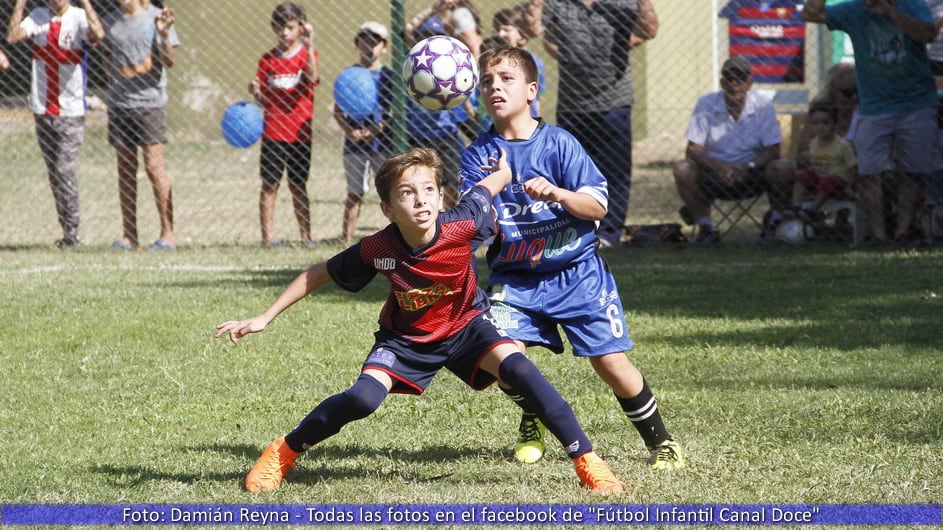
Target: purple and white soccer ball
x,y
440,72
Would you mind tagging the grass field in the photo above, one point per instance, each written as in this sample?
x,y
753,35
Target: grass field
x,y
789,375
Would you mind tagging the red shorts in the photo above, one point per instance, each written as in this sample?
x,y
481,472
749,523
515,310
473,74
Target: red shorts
x,y
830,185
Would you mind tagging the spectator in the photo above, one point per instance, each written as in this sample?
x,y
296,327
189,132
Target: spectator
x,y
733,152
935,48
832,164
591,40
60,35
839,91
459,18
4,61
421,251
367,142
545,271
284,86
140,40
511,24
898,99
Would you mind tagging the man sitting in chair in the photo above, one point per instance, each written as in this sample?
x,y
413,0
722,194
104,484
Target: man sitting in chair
x,y
732,153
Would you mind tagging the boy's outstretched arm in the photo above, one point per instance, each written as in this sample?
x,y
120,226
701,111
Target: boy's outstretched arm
x,y
305,283
581,205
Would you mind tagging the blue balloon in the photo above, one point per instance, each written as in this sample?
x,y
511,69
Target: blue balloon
x,y
355,92
242,124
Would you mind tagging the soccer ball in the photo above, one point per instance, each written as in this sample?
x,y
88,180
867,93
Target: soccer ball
x,y
794,232
440,72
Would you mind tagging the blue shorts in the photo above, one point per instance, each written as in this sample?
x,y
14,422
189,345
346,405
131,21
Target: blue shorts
x,y
412,365
583,299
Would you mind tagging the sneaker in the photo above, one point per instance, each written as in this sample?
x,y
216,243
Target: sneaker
x,y
812,216
595,474
270,469
666,455
122,245
162,246
68,242
769,227
530,440
706,236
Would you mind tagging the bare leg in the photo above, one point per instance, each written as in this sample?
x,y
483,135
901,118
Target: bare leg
x,y
267,210
163,193
302,206
351,214
128,192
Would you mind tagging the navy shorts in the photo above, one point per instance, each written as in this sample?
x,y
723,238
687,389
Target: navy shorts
x,y
412,365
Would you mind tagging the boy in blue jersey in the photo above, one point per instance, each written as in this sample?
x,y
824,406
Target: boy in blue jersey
x,y
545,271
435,317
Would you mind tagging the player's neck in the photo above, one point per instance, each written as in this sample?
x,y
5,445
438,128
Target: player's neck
x,y
289,50
131,8
518,128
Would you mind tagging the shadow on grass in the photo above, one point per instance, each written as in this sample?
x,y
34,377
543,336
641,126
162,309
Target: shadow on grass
x,y
324,462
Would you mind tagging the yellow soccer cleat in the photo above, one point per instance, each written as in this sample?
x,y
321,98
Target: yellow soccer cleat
x,y
530,440
666,455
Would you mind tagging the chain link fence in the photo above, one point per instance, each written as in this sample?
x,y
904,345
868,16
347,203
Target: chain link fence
x,y
216,186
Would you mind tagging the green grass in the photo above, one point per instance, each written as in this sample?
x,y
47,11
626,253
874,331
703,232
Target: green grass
x,y
788,375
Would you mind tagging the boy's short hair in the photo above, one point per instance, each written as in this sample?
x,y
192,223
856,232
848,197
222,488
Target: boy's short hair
x,y
827,108
511,16
285,12
515,56
396,165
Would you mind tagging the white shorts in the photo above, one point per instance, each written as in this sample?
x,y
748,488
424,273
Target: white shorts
x,y
360,167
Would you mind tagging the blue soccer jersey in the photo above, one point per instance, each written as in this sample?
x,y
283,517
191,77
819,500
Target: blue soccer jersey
x,y
433,289
537,235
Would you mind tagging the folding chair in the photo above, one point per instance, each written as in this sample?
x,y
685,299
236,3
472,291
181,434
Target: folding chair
x,y
736,217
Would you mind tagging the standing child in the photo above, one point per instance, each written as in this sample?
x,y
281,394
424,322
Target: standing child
x,y
833,163
435,317
545,271
367,142
60,35
284,86
511,24
140,39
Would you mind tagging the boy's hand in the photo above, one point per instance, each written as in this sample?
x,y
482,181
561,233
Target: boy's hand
x,y
497,163
240,328
307,35
164,21
541,188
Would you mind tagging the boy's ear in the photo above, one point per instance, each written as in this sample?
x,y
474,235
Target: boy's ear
x,y
532,90
387,211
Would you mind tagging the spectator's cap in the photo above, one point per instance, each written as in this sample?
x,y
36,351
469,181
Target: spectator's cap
x,y
737,66
376,29
432,26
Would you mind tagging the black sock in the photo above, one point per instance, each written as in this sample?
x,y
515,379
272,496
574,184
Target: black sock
x,y
642,410
555,413
326,420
